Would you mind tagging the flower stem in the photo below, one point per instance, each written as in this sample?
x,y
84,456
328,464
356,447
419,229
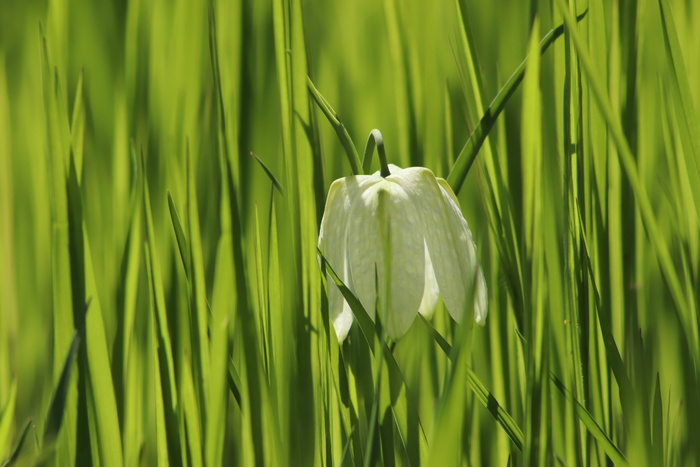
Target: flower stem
x,y
375,140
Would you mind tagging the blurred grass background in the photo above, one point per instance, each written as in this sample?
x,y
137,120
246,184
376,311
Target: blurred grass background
x,y
207,340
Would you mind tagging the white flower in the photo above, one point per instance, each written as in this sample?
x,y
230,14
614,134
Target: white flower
x,y
430,249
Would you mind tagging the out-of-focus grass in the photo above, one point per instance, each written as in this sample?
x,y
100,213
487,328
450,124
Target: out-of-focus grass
x,y
126,182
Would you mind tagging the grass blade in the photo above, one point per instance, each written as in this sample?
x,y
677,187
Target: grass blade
x,y
7,417
269,174
642,198
166,367
350,151
182,245
470,150
613,452
15,454
682,86
487,399
58,400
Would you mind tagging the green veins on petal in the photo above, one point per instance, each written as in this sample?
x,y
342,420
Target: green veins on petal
x,y
412,221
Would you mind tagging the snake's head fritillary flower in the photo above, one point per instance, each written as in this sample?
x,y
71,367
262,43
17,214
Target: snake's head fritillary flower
x,y
429,249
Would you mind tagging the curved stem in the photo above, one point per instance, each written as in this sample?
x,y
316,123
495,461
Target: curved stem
x,y
375,140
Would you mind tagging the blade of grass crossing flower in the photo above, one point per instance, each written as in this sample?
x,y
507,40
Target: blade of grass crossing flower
x,y
368,330
640,194
63,324
363,319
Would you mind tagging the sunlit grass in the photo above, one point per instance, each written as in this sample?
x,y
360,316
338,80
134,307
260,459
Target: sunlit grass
x,y
161,300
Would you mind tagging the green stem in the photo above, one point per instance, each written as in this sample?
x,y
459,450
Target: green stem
x,y
375,140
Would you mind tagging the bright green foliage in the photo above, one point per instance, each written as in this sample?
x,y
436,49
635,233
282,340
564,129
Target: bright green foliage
x,y
161,300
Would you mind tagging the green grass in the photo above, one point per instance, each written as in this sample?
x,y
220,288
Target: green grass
x,y
163,172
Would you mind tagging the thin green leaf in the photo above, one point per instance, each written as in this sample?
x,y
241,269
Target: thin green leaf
x,y
198,300
689,131
627,161
363,319
62,280
14,455
77,127
60,395
165,354
468,154
482,394
340,130
182,245
234,383
7,417
598,433
270,175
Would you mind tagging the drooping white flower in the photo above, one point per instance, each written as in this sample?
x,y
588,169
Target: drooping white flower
x,y
430,251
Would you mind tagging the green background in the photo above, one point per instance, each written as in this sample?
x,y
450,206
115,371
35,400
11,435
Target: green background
x,y
126,182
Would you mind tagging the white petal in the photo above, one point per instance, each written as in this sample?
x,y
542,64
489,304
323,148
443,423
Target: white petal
x,y
480,300
331,242
431,291
365,244
362,240
473,281
407,262
447,236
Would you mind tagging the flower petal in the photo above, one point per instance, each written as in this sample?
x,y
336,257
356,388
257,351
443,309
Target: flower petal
x,y
331,242
366,250
465,247
480,300
431,291
447,237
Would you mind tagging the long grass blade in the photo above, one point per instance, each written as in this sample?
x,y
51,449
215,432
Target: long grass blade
x,y
641,196
594,428
470,150
350,151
